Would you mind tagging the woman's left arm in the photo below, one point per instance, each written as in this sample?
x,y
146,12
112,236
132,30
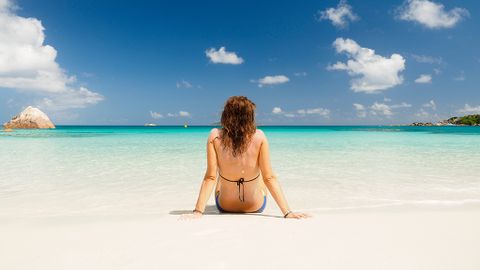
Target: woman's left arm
x,y
209,180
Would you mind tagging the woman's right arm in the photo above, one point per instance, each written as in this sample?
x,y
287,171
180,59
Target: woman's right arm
x,y
272,184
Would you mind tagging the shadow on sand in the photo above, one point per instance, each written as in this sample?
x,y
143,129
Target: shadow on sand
x,y
212,210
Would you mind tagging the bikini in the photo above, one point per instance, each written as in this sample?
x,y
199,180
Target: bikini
x,y
240,183
241,189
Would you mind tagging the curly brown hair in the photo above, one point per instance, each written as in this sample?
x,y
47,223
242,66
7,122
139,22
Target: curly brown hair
x,y
238,124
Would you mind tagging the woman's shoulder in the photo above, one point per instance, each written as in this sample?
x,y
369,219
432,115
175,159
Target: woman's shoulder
x,y
260,134
214,132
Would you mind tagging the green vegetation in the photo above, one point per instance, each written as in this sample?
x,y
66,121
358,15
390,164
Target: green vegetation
x,y
467,120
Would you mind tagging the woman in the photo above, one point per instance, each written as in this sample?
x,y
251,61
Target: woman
x,y
239,151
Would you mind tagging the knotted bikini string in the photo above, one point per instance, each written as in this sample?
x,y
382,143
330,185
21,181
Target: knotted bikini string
x,y
240,184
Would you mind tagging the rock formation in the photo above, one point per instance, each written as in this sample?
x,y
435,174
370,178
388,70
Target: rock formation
x,y
29,118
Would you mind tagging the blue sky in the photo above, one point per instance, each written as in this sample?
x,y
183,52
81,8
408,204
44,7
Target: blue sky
x,y
305,62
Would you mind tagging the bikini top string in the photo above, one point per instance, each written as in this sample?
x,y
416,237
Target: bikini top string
x,y
240,184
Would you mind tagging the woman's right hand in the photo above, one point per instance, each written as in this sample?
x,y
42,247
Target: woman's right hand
x,y
298,215
194,215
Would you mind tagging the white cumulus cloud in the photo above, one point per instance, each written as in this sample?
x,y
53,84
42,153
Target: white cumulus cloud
x,y
424,78
221,56
381,108
315,111
184,114
340,16
179,114
302,112
29,65
431,104
401,105
431,14
277,110
372,73
69,99
361,111
426,110
467,109
156,115
358,106
422,113
271,80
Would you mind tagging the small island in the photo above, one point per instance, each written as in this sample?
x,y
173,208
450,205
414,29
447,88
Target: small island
x,y
467,120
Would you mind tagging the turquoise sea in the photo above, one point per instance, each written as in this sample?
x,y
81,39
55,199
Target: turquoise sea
x,y
120,171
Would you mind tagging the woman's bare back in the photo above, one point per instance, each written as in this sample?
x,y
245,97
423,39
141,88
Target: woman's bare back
x,y
244,166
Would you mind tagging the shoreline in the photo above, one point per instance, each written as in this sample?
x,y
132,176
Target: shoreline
x,y
259,126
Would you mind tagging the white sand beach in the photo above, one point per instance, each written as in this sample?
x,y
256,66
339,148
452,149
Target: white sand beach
x,y
120,208
330,240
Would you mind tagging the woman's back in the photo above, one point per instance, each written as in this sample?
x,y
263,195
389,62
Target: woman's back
x,y
244,165
241,166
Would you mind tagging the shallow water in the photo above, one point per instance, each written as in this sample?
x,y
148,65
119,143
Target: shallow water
x,y
85,171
